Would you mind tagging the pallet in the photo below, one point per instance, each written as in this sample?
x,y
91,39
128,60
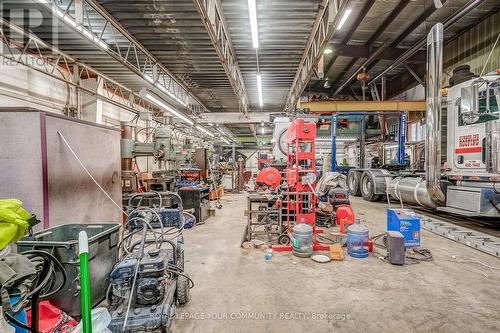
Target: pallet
x,y
474,239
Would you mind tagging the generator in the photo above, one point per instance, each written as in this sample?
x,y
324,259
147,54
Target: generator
x,y
148,282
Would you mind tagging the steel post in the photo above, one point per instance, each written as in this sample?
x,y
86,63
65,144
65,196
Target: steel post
x,y
333,167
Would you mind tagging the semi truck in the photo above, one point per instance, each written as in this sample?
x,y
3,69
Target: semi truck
x,y
467,182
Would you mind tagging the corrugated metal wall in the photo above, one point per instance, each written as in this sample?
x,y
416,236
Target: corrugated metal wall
x,y
473,47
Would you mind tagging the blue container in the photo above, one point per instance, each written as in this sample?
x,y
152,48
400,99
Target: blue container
x,y
357,241
407,223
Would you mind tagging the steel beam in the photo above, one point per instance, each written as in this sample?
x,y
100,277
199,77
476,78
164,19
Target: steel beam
x,y
123,47
363,65
414,25
213,18
354,26
447,23
327,107
333,158
388,20
404,81
235,118
364,51
415,75
60,66
321,34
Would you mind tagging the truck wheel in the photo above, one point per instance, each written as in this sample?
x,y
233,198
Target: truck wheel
x,y
353,183
367,188
182,290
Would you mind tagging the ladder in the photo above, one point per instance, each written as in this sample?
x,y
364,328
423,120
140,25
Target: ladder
x,y
475,239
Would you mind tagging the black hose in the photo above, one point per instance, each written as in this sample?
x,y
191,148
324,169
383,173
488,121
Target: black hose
x,y
47,268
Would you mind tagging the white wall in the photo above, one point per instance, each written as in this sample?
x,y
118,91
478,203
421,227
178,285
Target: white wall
x,y
21,86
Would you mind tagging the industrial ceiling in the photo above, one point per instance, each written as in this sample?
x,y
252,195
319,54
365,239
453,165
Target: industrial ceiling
x,y
398,24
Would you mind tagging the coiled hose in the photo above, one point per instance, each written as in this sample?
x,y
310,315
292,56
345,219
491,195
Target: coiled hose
x,y
33,287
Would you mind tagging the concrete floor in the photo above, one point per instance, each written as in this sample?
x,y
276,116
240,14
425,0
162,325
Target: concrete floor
x,y
235,286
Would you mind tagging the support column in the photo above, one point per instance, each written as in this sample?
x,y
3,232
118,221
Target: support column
x,y
402,138
383,121
333,167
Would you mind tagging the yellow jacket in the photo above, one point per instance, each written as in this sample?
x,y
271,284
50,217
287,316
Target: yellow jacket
x,y
14,221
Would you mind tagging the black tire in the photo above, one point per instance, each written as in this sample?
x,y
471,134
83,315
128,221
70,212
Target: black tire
x,y
180,260
367,188
283,240
354,183
182,290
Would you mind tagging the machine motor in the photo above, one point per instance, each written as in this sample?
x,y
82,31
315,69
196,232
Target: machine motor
x,y
149,280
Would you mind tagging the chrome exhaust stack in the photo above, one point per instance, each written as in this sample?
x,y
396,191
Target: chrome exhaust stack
x,y
417,190
433,114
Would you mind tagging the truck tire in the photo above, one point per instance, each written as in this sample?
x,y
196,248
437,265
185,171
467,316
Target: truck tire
x,y
182,290
353,183
367,187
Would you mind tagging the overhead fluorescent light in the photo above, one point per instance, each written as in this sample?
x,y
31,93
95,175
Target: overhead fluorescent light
x,y
344,18
85,32
254,28
259,89
210,134
225,140
156,101
218,129
169,93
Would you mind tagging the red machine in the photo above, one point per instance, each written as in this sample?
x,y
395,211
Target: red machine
x,y
299,200
270,177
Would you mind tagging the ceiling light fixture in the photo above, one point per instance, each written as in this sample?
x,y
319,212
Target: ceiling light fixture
x,y
210,134
252,10
156,101
259,89
344,18
327,51
165,90
72,22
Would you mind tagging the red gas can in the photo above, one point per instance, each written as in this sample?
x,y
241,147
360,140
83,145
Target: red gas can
x,y
345,216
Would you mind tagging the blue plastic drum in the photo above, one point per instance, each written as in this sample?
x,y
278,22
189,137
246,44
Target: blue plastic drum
x,y
357,241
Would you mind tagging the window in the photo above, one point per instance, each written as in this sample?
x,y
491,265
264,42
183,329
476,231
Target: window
x,y
484,116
